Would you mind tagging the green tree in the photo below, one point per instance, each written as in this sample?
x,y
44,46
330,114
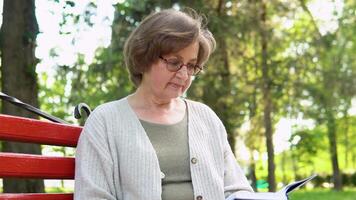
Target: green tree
x,y
333,85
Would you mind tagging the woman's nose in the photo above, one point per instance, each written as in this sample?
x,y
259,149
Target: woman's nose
x,y
183,72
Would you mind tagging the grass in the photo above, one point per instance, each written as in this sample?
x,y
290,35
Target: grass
x,y
324,194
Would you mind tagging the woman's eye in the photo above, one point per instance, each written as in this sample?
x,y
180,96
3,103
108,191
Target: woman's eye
x,y
174,62
191,66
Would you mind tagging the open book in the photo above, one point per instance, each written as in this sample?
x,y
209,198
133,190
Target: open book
x,y
280,195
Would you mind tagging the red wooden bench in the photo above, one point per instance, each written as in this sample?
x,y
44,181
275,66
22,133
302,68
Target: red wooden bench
x,y
16,165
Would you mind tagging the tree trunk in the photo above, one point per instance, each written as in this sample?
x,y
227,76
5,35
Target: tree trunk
x,y
331,124
253,146
226,80
225,74
252,173
19,79
267,100
346,126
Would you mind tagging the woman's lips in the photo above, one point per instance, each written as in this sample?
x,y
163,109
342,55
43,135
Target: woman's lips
x,y
175,85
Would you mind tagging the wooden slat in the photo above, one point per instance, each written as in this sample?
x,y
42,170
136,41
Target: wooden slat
x,y
16,165
39,196
35,131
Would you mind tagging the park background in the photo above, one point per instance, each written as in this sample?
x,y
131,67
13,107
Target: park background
x,y
282,79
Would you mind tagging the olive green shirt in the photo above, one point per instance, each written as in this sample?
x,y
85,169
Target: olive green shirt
x,y
171,145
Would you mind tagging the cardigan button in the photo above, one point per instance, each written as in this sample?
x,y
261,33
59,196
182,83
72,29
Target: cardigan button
x,y
194,160
199,197
162,175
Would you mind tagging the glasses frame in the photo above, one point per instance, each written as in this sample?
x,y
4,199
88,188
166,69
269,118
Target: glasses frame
x,y
180,67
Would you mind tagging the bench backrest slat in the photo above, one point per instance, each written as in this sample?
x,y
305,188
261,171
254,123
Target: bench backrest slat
x,y
40,132
25,196
15,165
18,165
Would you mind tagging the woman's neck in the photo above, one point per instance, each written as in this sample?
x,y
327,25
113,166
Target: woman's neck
x,y
147,100
150,108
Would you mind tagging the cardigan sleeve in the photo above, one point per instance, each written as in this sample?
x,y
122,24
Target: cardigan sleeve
x,y
93,163
234,177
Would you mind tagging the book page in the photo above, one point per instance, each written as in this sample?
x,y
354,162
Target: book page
x,y
244,195
280,195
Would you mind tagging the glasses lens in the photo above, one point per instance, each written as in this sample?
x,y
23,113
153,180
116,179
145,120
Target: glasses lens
x,y
191,68
174,65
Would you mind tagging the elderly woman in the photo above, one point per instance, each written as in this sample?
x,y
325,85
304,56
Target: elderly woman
x,y
154,144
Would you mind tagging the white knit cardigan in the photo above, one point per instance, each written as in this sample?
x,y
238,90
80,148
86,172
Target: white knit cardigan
x,y
115,159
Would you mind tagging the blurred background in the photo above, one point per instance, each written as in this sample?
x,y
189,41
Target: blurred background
x,y
282,79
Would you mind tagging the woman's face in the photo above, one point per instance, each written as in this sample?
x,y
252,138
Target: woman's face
x,y
166,84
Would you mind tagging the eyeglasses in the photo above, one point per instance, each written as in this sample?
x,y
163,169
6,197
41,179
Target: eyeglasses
x,y
174,65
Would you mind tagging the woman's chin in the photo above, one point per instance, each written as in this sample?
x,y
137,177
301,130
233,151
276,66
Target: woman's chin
x,y
172,94
175,95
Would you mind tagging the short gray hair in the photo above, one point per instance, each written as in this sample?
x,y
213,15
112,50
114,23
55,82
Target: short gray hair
x,y
164,32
